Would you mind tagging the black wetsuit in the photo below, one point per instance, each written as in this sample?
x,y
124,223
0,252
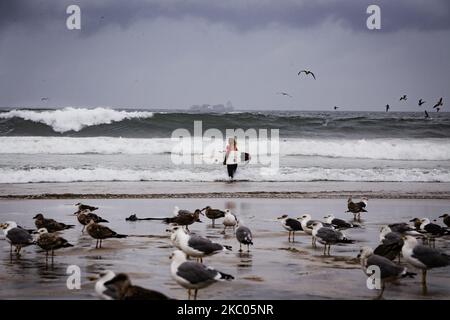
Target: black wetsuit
x,y
231,168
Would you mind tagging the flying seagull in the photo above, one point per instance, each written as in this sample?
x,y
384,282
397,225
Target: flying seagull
x,y
196,246
16,236
307,72
50,242
423,258
44,99
284,94
327,236
50,224
100,232
119,287
335,108
421,102
213,214
438,109
438,104
403,98
389,271
387,108
357,207
290,225
194,275
229,221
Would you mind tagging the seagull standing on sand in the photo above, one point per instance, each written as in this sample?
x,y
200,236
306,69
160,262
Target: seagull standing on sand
x,y
119,287
229,221
51,242
16,236
50,224
184,219
389,271
357,207
213,214
244,237
327,236
84,216
290,225
391,243
307,72
432,230
423,257
387,108
426,114
196,246
339,223
194,275
100,232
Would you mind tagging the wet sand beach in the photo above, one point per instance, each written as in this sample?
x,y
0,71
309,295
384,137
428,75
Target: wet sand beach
x,y
274,268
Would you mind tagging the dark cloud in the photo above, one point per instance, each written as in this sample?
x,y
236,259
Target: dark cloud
x,y
241,15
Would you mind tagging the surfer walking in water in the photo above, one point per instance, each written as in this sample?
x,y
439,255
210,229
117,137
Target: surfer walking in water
x,y
231,157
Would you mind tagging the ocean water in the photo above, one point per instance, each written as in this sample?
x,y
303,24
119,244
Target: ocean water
x,y
102,144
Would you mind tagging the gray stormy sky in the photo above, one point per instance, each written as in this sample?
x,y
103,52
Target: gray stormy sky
x,y
174,53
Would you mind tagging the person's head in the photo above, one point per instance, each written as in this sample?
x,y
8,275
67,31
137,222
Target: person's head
x,y
232,142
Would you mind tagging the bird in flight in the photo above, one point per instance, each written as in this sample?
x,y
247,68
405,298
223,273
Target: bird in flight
x,y
437,109
421,102
387,108
438,104
44,99
403,97
307,72
284,94
426,114
335,108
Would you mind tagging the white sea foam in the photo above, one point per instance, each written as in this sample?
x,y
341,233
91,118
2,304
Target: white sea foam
x,y
74,119
251,174
389,149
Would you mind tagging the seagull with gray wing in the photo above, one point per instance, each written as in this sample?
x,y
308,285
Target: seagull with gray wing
x,y
194,245
389,271
194,275
422,257
16,236
327,236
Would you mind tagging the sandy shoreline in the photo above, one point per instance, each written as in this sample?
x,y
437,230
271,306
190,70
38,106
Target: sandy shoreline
x,y
274,269
239,189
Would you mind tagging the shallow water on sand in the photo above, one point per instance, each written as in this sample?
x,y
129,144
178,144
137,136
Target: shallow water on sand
x,y
273,269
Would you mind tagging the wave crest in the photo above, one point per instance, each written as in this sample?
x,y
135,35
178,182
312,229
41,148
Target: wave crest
x,y
74,119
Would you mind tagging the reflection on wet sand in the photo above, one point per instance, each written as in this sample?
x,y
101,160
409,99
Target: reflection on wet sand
x,y
266,272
